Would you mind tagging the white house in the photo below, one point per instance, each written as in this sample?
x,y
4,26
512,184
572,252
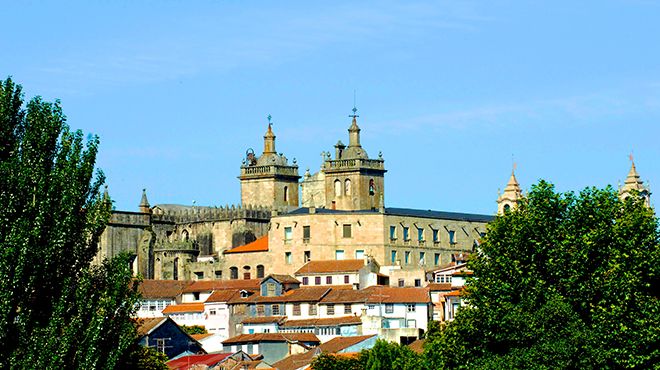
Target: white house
x,y
358,273
158,294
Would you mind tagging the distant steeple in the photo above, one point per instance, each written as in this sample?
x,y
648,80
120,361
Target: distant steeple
x,y
354,131
269,138
144,203
634,183
511,195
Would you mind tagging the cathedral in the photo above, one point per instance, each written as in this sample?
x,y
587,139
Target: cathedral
x,y
285,220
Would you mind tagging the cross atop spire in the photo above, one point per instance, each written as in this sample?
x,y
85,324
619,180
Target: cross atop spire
x,y
354,115
269,120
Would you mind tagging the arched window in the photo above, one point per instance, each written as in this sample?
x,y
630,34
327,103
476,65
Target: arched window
x,y
372,187
286,193
233,273
337,188
347,187
175,269
507,208
246,272
260,271
185,236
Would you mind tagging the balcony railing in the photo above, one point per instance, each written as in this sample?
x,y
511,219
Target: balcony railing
x,y
339,164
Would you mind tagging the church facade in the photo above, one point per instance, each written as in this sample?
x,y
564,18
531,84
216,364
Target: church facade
x,y
285,220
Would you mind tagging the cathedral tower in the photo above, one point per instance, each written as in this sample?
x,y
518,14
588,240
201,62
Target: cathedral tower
x,y
634,183
508,200
269,181
352,180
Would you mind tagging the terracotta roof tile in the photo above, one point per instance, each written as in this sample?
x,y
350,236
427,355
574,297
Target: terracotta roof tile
x,y
209,285
264,320
199,337
150,289
273,337
284,279
224,295
259,245
187,362
417,346
306,294
184,307
332,347
330,267
329,321
439,286
144,326
346,296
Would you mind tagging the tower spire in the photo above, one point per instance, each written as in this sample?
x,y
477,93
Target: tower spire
x,y
511,194
144,203
269,138
633,182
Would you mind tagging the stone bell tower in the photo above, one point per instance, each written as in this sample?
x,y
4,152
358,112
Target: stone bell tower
x,y
268,180
352,180
633,183
508,200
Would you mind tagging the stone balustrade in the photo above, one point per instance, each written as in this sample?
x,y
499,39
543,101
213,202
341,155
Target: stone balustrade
x,y
339,164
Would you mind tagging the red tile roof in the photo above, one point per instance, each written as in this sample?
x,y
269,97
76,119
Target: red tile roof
x,y
187,362
330,267
417,346
199,337
332,346
329,321
439,287
224,295
264,320
209,285
306,294
284,279
184,307
273,337
388,294
150,289
259,245
341,343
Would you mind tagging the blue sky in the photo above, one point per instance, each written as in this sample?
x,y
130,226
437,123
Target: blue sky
x,y
449,91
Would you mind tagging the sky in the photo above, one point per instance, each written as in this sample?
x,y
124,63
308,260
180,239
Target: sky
x,y
451,92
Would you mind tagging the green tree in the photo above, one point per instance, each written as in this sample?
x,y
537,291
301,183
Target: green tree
x,y
564,281
329,361
194,329
56,310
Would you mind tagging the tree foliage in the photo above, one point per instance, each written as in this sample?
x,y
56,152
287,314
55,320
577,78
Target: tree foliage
x,y
193,329
56,310
564,281
383,355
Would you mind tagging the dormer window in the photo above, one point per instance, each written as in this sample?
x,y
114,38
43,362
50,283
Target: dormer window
x,y
244,294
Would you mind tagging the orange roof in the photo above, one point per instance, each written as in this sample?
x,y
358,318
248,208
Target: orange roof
x,y
150,289
417,346
273,337
199,337
439,286
455,293
208,285
264,320
379,294
223,295
184,307
259,245
330,267
332,346
329,321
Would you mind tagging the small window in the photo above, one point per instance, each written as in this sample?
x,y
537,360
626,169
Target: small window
x,y
337,188
392,232
260,310
260,271
346,279
331,309
507,208
287,258
418,282
339,254
307,256
389,308
435,236
317,280
312,309
328,280
233,273
196,296
436,259
347,187
372,187
393,257
305,280
422,258
402,283
212,312
306,233
371,307
359,254
296,309
218,274
407,257
199,275
410,307
276,309
288,234
270,289
347,309
347,231
406,233
420,235
452,237
286,193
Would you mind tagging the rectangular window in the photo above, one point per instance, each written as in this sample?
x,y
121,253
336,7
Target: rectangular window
x,y
347,309
435,236
359,254
422,258
410,307
212,312
393,257
287,258
317,280
306,234
305,280
406,233
402,283
270,289
436,259
420,235
339,254
371,307
260,310
296,309
312,309
407,257
288,234
328,280
392,232
199,275
307,256
452,237
389,308
346,279
347,231
418,282
218,274
276,309
196,296
331,309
